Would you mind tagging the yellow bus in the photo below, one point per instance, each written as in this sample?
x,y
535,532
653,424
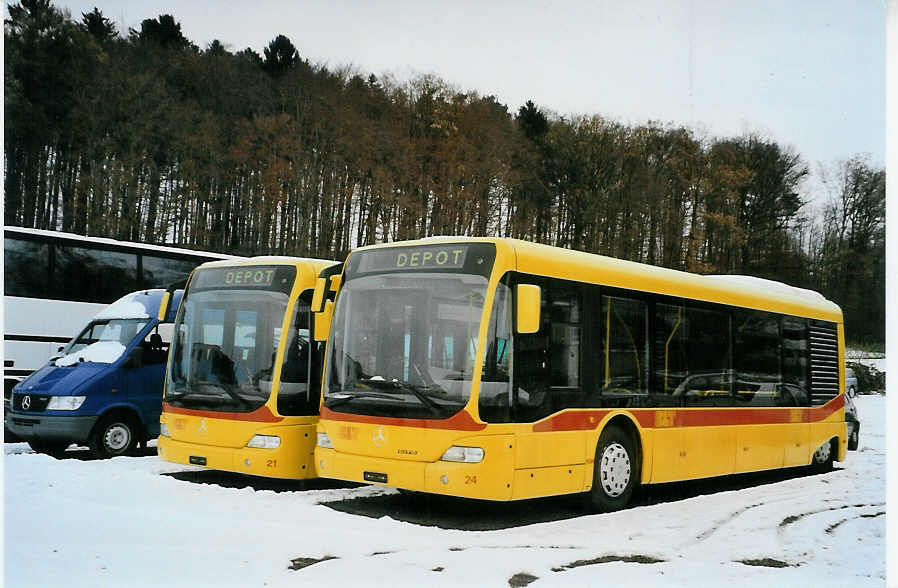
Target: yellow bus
x,y
500,369
243,380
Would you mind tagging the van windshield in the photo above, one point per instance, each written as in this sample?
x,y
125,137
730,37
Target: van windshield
x,y
102,341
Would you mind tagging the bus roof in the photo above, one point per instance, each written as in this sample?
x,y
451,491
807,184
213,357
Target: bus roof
x,y
113,242
742,291
319,264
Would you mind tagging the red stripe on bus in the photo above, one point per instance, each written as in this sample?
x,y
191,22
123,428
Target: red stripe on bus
x,y
585,420
461,421
260,415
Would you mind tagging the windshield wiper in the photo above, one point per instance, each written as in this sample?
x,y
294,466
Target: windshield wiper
x,y
420,395
332,402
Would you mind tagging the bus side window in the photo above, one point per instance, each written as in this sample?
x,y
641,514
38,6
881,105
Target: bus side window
x,y
795,351
296,394
756,349
547,363
622,363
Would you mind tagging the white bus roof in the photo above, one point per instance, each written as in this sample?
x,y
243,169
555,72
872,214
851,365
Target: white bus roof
x,y
107,241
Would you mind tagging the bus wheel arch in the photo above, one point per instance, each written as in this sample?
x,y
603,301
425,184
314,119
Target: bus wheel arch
x,y
116,432
824,456
617,468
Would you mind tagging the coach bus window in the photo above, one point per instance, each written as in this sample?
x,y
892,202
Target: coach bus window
x,y
623,339
795,351
494,387
756,350
297,395
161,271
84,274
25,268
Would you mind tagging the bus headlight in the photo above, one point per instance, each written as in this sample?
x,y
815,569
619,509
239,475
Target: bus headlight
x,y
163,430
264,442
324,441
463,454
65,402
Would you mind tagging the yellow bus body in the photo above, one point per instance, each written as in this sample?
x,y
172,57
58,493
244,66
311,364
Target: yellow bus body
x,y
555,455
217,440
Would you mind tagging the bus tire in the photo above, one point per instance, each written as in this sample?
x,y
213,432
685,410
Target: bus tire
x,y
53,448
616,472
115,434
823,459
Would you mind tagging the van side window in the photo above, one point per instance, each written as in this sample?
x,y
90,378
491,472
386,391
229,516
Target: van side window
x,y
155,344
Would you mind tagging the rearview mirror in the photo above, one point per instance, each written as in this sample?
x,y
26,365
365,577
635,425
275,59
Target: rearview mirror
x,y
528,311
323,321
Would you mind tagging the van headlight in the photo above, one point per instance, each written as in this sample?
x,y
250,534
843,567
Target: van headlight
x,y
324,441
463,454
264,442
163,430
65,402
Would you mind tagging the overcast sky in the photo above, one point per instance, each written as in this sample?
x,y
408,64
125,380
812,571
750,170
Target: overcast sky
x,y
810,74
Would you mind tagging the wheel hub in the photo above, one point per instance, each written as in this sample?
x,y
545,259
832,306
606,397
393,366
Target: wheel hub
x,y
117,437
614,470
822,453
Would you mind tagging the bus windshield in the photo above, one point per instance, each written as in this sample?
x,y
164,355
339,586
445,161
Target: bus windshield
x,y
404,345
226,338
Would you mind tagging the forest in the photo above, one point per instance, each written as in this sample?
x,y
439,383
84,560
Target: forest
x,y
142,135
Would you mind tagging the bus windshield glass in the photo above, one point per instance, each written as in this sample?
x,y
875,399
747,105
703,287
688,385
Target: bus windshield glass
x,y
226,338
404,345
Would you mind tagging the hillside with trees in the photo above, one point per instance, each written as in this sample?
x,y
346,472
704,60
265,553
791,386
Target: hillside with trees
x,y
143,136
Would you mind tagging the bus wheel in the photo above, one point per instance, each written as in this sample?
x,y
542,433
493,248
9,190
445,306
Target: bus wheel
x,y
616,470
55,449
114,435
823,458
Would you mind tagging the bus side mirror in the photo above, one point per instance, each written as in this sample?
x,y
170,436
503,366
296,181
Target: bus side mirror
x,y
323,321
163,306
527,296
318,294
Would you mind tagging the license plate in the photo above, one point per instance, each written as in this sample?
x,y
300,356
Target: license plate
x,y
197,460
375,477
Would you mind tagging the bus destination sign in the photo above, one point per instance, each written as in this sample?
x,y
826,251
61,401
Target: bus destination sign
x,y
414,258
237,277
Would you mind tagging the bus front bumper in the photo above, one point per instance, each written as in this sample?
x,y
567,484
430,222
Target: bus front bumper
x,y
293,460
39,426
488,481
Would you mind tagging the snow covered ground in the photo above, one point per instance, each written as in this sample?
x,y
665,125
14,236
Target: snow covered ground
x,y
76,522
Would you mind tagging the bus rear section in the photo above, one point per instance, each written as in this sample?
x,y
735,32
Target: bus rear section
x,y
504,370
243,380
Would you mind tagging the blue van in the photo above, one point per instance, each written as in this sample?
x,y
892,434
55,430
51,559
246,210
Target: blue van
x,y
104,390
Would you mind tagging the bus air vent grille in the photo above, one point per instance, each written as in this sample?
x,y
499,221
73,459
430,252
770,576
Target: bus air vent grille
x,y
824,344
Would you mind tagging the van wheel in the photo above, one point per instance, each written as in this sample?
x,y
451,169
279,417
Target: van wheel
x,y
113,435
616,472
55,449
823,458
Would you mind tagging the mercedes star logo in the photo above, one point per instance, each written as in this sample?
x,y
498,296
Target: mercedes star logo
x,y
379,438
26,402
202,427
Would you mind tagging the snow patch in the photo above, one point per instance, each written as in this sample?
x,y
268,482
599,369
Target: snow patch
x,y
129,306
771,285
99,352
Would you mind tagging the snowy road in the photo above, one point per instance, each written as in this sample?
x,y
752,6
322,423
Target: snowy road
x,y
76,522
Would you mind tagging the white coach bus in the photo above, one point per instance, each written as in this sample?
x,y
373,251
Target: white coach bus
x,y
54,283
